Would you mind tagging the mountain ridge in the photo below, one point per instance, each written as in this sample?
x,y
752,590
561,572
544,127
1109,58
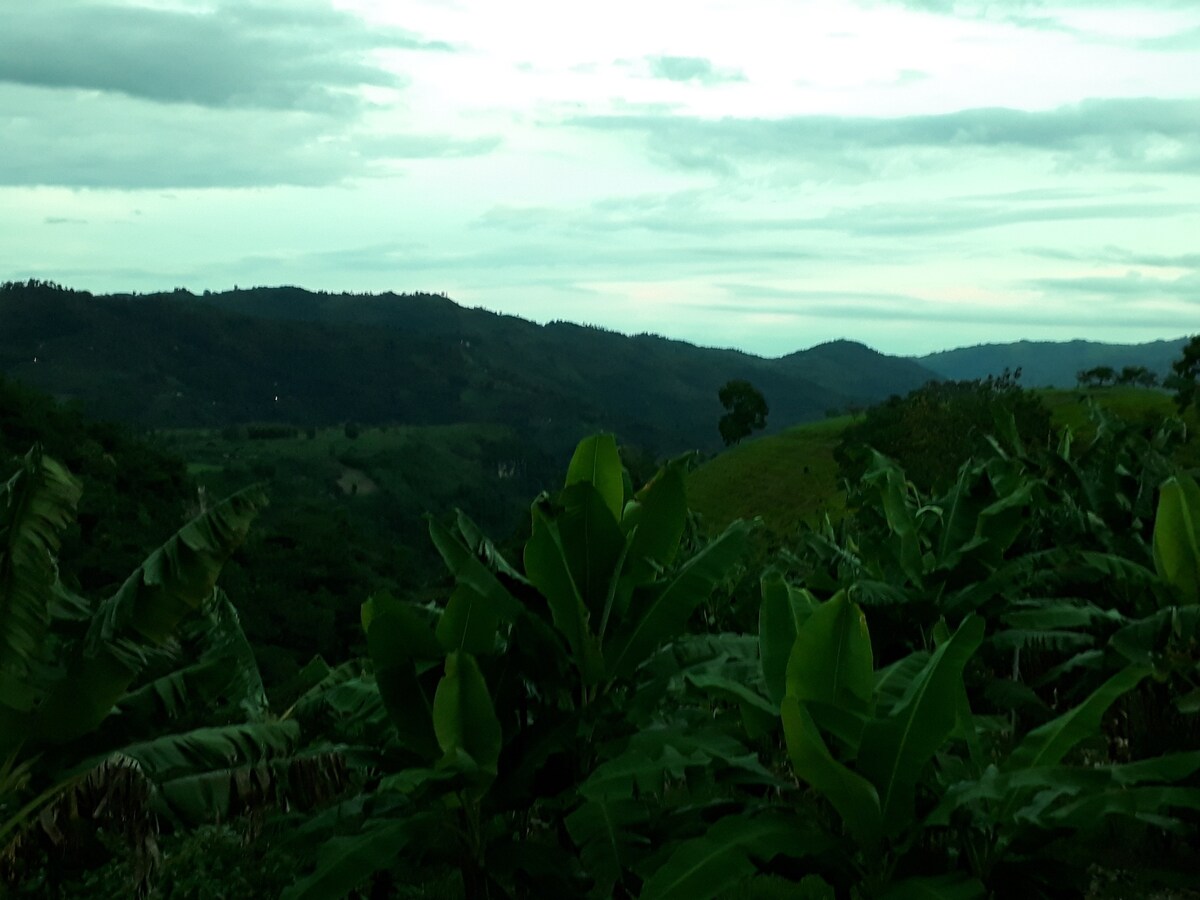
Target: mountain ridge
x,y
1050,363
286,354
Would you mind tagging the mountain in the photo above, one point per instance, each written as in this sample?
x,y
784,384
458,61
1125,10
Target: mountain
x,y
1050,364
851,367
290,355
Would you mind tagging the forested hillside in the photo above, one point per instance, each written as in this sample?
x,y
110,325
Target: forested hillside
x,y
288,355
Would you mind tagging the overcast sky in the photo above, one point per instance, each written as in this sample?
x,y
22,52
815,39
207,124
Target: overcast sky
x,y
764,174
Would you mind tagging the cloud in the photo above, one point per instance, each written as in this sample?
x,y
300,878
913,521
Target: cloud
x,y
109,141
691,69
1120,255
247,55
1129,285
903,309
690,214
427,146
1144,134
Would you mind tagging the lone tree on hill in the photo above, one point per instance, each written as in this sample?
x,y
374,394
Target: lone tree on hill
x,y
747,410
1185,373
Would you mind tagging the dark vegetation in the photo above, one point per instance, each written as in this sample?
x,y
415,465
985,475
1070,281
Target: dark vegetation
x,y
975,671
935,429
745,411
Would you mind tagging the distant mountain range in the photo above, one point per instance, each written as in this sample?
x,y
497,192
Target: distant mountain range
x,y
1049,364
290,355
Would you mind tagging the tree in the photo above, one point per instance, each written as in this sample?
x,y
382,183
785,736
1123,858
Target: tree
x,y
747,410
1097,377
1185,372
1138,375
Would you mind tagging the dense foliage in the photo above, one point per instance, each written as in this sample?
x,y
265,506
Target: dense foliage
x,y
135,490
1185,375
979,691
981,683
933,430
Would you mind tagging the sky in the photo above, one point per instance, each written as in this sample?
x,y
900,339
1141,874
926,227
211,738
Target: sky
x,y
760,174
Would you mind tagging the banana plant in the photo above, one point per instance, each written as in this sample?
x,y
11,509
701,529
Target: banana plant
x,y
898,756
1177,538
84,687
1018,817
505,699
865,740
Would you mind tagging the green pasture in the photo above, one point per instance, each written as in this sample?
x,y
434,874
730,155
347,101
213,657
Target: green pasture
x,y
787,479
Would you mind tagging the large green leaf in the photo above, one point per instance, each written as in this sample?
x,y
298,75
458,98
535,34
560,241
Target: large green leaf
x,y
397,640
1001,522
173,583
711,865
664,611
896,749
36,506
855,799
547,567
960,517
223,674
469,622
608,845
467,569
661,520
1152,804
463,717
784,609
483,548
1177,536
830,660
175,755
210,773
893,682
592,543
344,863
400,631
597,462
1049,743
888,479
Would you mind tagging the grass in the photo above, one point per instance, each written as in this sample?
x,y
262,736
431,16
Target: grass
x,y
787,479
1070,407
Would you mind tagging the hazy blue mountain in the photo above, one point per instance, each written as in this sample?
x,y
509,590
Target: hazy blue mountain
x,y
1050,364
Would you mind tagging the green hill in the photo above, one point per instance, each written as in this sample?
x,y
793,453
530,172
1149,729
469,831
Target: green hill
x,y
785,478
288,355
